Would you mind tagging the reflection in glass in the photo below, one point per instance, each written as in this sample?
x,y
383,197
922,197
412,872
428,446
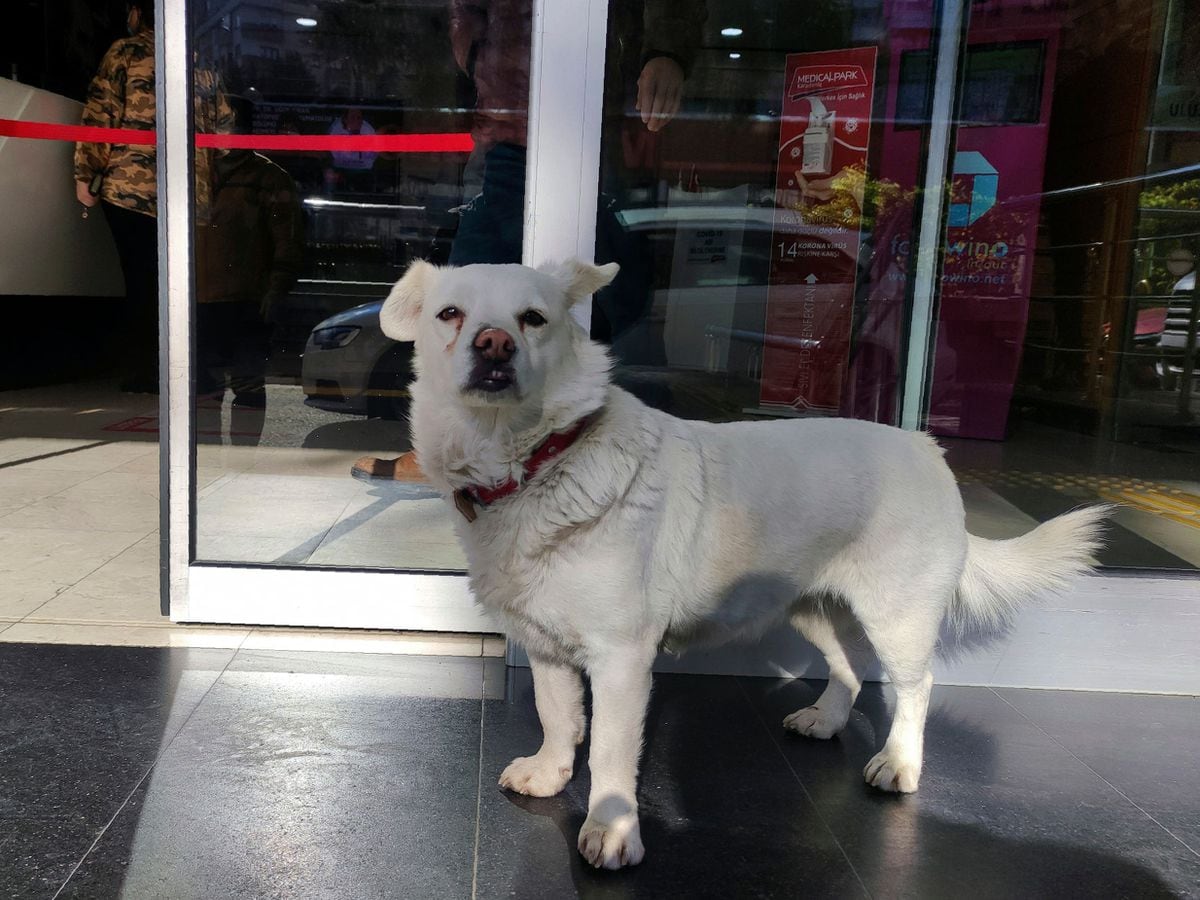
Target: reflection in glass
x,y
766,268
1061,349
299,246
761,236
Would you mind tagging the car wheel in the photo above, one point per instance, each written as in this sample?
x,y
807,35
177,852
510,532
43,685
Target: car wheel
x,y
387,394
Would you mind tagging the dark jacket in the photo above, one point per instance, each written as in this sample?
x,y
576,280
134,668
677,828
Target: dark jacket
x,y
491,41
252,248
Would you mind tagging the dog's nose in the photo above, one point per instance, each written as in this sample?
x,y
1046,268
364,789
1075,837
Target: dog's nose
x,y
495,344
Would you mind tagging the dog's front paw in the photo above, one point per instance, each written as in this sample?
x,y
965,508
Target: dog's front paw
x,y
535,776
889,771
610,845
814,722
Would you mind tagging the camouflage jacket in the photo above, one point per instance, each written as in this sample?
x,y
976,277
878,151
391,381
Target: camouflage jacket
x,y
122,96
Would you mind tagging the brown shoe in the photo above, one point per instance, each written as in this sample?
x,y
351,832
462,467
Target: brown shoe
x,y
402,468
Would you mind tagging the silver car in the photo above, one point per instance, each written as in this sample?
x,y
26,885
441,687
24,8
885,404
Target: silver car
x,y
350,366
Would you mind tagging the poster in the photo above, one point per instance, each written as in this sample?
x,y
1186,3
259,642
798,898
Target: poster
x,y
991,233
990,242
820,184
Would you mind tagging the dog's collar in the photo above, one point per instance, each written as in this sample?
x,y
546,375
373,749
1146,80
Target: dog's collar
x,y
466,498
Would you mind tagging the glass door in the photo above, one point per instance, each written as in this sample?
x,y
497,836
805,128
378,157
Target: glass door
x,y
313,151
974,219
909,212
763,229
1063,368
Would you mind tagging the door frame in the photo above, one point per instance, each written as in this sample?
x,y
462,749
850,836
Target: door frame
x,y
566,105
558,224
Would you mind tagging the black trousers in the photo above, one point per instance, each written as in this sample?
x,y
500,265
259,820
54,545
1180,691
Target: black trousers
x,y
136,237
232,345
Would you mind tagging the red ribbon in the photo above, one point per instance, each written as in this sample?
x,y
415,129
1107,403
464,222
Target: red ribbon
x,y
451,142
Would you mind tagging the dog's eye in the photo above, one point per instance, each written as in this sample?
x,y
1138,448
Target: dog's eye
x,y
533,318
450,313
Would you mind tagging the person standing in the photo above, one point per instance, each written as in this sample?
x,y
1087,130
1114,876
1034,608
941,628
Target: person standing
x,y
351,170
491,42
122,179
248,256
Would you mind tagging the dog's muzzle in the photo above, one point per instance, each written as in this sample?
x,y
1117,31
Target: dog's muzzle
x,y
493,372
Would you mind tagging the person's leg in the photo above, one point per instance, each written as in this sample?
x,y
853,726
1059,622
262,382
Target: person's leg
x,y
209,373
136,238
620,312
491,226
249,347
490,230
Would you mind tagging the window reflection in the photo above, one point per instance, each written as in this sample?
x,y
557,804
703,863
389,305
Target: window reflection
x,y
765,273
759,273
369,136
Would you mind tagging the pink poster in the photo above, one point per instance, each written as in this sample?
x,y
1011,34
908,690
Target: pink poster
x,y
821,179
996,183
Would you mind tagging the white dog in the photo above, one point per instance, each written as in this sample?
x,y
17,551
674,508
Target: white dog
x,y
599,530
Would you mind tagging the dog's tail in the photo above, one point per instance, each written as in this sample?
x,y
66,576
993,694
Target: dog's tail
x,y
1001,576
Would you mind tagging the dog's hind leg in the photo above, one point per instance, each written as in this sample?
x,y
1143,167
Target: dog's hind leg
x,y
903,635
558,694
840,638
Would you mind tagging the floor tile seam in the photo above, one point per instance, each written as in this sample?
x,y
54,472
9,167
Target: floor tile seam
x,y
1000,659
1134,692
1110,785
58,593
162,751
19,460
83,578
9,527
92,477
24,506
479,781
803,787
332,525
237,651
1185,608
165,625
97,472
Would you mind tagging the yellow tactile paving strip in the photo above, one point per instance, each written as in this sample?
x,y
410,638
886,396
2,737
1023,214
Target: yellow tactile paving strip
x,y
1169,501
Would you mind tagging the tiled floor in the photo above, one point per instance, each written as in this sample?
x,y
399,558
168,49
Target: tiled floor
x,y
74,470
171,773
81,460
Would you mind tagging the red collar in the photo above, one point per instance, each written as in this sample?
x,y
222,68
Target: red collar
x,y
466,498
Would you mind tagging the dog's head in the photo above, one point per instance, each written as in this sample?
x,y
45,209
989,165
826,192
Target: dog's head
x,y
492,334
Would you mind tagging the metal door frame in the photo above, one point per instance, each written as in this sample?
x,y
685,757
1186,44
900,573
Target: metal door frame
x,y
559,222
566,105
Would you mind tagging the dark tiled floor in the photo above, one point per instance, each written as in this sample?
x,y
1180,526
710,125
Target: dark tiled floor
x,y
196,774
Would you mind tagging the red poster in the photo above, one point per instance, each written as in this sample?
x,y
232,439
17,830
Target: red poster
x,y
820,181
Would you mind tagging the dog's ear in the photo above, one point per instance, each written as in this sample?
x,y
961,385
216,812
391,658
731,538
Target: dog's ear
x,y
579,279
402,308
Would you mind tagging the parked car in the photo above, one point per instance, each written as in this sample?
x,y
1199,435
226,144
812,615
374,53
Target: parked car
x,y
350,366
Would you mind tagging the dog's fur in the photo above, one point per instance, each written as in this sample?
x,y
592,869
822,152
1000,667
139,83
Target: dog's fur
x,y
651,531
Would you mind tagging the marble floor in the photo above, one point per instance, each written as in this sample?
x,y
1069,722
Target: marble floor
x,y
185,773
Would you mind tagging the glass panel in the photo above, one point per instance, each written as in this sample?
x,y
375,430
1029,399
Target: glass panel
x,y
337,142
79,504
757,189
1064,366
